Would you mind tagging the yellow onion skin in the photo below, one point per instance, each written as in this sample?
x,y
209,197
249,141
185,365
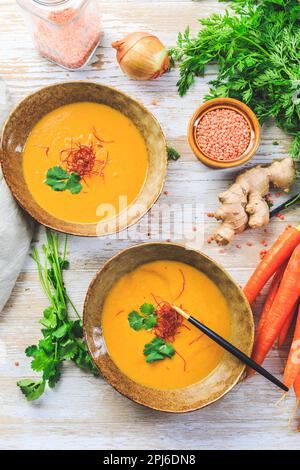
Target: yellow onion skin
x,y
142,56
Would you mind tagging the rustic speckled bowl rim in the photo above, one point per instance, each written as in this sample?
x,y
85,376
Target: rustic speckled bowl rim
x,y
78,232
240,107
102,372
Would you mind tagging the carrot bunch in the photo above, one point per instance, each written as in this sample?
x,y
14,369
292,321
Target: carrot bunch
x,y
283,263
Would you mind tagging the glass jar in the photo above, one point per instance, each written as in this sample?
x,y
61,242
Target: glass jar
x,y
66,32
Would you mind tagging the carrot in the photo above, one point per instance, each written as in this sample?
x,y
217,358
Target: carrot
x,y
285,329
268,304
285,299
297,393
292,367
278,253
271,296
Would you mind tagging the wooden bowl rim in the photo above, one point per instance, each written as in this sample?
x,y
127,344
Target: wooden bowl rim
x,y
78,229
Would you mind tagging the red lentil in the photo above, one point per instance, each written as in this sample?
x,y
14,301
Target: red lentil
x,y
68,35
223,134
263,253
269,199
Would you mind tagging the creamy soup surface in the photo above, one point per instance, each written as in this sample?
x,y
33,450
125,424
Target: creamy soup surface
x,y
124,151
196,355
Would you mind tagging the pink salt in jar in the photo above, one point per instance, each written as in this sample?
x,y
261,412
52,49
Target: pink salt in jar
x,y
66,32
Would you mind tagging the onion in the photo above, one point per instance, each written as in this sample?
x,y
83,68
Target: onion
x,y
142,56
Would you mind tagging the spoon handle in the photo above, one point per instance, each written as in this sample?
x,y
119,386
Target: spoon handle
x,y
237,353
231,348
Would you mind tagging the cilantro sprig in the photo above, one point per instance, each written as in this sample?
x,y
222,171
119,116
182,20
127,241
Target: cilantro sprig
x,y
158,350
146,319
62,337
60,180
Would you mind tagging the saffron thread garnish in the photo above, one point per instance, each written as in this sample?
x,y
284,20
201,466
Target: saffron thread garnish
x,y
155,297
196,339
118,313
168,321
183,285
184,361
45,148
83,159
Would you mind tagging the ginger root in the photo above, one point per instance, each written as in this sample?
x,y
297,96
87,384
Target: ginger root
x,y
243,204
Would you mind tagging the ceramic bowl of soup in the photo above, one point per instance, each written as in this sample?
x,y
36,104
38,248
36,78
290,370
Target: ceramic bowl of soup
x,y
83,158
125,328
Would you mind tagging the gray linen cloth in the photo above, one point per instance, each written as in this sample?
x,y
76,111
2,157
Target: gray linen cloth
x,y
15,227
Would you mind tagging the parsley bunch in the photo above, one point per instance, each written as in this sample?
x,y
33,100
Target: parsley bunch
x,y
257,50
62,337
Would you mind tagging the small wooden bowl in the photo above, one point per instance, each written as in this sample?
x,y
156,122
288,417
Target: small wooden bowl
x,y
220,381
29,111
237,106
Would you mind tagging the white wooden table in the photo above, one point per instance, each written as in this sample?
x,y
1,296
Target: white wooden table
x,y
84,412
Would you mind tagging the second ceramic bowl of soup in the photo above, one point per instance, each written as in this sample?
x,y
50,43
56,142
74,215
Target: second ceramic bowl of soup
x,y
199,372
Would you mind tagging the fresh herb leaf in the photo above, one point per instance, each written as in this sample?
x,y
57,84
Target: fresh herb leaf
x,y
256,48
62,337
31,350
147,319
31,389
173,154
147,309
60,180
158,350
73,183
62,330
150,322
136,321
154,356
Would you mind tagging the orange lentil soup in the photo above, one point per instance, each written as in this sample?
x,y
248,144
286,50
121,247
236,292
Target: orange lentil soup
x,y
119,149
196,355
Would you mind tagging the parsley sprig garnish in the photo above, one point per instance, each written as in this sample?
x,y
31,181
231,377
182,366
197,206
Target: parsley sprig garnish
x,y
158,350
60,180
146,318
62,337
257,51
